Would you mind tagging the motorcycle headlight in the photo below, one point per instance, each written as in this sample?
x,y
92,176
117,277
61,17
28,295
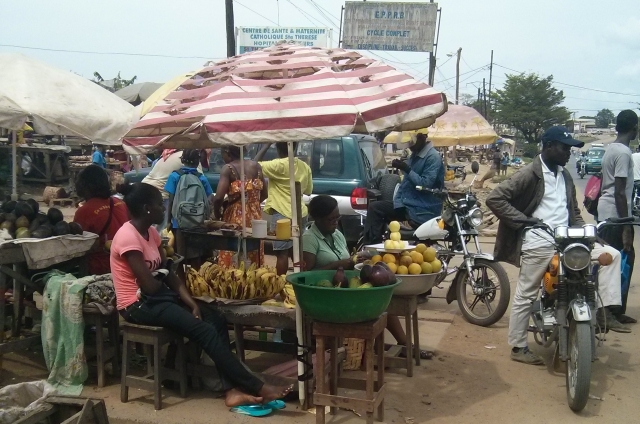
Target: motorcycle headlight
x,y
576,257
475,216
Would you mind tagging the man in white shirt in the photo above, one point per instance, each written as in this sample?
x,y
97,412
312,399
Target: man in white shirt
x,y
544,190
636,165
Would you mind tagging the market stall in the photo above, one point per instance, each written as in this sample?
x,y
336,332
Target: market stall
x,y
41,163
286,93
21,257
57,102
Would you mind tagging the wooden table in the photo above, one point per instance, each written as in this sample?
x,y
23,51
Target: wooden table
x,y
51,155
13,267
215,240
241,316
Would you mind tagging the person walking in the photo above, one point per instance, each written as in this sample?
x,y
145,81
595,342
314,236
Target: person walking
x,y
615,200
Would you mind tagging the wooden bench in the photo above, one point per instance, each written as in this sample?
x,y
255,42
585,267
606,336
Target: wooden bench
x,y
153,338
327,335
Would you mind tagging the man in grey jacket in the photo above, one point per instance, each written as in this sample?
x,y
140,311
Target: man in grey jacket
x,y
543,189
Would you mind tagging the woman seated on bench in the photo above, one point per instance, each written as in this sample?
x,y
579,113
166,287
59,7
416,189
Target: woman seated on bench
x,y
160,299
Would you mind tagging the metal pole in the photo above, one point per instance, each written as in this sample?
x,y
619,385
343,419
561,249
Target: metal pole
x,y
490,78
433,56
484,99
340,30
14,165
231,40
458,75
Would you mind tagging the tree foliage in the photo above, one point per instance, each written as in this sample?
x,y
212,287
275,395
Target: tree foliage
x,y
604,118
530,104
114,84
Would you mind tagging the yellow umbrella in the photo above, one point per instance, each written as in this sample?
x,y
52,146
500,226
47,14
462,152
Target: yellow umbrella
x,y
461,126
404,137
162,92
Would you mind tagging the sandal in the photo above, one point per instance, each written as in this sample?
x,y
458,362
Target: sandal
x,y
252,410
424,354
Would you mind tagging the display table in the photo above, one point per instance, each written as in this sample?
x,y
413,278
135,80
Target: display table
x,y
49,164
241,316
13,266
216,240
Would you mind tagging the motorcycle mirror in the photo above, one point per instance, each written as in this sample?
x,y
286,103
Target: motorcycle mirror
x,y
475,167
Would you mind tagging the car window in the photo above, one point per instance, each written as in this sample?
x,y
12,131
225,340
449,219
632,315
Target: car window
x,y
328,158
375,156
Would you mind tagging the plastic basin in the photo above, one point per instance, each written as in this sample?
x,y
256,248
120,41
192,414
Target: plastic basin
x,y
338,305
411,285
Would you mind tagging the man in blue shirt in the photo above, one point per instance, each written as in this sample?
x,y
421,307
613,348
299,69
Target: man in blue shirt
x,y
98,157
424,168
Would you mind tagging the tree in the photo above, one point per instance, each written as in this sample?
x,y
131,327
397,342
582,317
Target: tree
x,y
114,84
472,101
530,104
604,118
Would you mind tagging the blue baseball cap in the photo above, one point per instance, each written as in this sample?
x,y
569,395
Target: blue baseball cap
x,y
561,133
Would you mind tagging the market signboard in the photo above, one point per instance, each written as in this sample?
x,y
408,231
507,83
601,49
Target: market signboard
x,y
255,38
403,27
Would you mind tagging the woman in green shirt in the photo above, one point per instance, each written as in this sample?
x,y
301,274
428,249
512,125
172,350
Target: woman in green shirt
x,y
324,247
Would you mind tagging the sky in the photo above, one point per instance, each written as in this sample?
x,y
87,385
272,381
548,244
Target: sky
x,y
590,47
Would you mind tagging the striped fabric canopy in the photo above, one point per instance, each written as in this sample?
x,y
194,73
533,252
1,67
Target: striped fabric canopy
x,y
286,93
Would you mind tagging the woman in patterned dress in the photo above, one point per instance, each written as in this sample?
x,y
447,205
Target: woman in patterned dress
x,y
230,209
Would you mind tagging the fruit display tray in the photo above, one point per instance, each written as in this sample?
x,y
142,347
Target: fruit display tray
x,y
380,247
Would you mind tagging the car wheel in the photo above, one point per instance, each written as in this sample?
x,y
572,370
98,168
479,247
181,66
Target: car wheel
x,y
387,186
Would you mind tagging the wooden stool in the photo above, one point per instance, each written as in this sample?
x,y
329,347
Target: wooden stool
x,y
93,317
327,333
153,338
407,307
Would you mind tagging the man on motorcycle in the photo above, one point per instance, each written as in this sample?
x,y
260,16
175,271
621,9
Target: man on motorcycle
x,y
424,168
545,190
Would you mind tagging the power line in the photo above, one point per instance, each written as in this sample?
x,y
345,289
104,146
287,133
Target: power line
x,y
468,72
577,86
251,10
309,17
334,16
106,53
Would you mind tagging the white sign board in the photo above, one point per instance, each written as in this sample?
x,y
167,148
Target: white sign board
x,y
403,27
255,38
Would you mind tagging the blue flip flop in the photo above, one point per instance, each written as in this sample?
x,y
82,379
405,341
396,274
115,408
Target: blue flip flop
x,y
252,410
276,404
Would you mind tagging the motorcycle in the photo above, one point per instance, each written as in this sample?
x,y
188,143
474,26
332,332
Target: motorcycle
x,y
481,285
583,169
459,171
565,313
636,199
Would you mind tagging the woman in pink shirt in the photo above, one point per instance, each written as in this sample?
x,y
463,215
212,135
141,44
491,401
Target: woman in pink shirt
x,y
165,301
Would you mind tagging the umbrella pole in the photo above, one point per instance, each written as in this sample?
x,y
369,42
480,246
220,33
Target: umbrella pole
x,y
295,236
14,165
243,204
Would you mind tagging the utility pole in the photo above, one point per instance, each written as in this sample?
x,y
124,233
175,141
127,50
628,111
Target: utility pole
x,y
484,98
490,78
231,33
458,75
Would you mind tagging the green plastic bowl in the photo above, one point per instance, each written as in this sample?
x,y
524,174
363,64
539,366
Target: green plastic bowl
x,y
342,306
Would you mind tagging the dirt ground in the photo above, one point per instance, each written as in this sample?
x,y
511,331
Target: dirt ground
x,y
470,380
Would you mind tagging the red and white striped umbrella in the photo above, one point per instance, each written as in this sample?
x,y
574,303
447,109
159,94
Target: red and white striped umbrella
x,y
287,93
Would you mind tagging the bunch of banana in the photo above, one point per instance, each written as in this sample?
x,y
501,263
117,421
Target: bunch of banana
x,y
289,296
241,284
198,285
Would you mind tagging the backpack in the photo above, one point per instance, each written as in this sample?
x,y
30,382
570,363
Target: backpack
x,y
592,193
190,204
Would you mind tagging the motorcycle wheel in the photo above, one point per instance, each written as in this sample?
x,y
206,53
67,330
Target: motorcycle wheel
x,y
578,372
482,310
